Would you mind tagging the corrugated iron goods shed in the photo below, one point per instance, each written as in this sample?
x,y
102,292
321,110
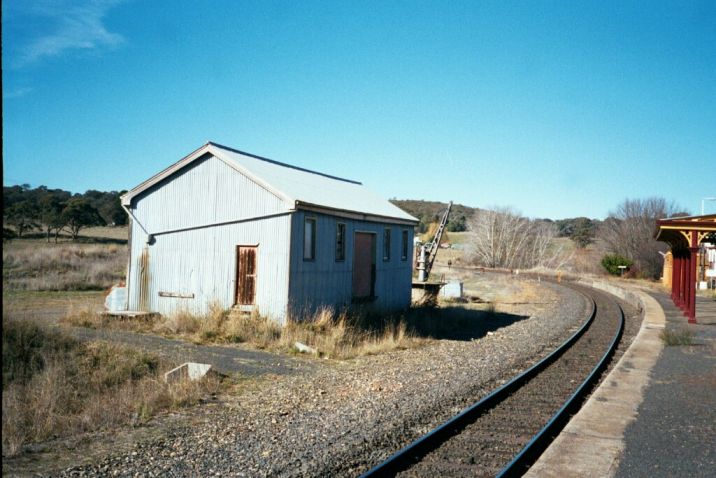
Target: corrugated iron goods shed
x,y
238,230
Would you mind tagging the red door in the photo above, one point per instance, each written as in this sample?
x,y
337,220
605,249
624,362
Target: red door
x,y
363,265
245,293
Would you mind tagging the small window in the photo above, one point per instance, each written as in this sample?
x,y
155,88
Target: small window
x,y
340,242
386,244
309,239
404,249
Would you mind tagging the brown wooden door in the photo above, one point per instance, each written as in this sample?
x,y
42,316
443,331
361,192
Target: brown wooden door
x,y
245,293
363,265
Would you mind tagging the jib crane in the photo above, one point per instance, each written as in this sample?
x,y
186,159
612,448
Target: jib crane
x,y
429,250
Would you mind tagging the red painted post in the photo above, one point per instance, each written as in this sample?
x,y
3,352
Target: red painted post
x,y
685,282
692,273
673,275
680,292
687,286
675,284
677,278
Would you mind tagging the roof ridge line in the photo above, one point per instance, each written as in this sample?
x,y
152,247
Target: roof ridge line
x,y
279,163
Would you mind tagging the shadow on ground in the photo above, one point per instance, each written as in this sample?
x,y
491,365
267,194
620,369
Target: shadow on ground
x,y
459,323
444,323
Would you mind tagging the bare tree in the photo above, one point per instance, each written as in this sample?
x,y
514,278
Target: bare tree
x,y
502,238
629,232
498,235
546,252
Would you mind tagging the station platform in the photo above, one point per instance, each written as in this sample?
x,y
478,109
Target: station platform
x,y
675,430
655,414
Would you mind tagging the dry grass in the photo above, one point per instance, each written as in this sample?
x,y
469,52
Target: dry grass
x,y
55,386
677,337
333,335
343,335
336,335
38,266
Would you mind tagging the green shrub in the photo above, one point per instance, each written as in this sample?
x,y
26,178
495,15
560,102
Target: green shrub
x,y
611,263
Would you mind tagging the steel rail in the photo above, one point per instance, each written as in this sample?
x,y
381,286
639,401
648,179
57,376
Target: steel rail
x,y
526,457
412,453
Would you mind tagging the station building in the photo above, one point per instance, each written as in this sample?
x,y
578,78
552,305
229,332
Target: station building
x,y
691,262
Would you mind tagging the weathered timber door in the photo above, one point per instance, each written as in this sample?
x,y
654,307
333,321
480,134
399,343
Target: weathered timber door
x,y
363,265
245,293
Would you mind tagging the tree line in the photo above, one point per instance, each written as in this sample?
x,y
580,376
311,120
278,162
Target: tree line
x,y
53,211
503,238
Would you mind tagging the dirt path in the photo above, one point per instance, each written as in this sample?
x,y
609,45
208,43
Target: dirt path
x,y
224,359
50,307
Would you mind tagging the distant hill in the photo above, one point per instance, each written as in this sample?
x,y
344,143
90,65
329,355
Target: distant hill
x,y
429,212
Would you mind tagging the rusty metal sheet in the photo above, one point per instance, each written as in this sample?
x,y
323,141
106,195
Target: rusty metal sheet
x,y
246,275
144,280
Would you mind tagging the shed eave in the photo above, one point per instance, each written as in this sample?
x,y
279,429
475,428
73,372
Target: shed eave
x,y
356,215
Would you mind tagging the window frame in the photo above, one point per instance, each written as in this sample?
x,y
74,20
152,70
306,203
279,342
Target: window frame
x,y
314,228
387,245
340,252
405,237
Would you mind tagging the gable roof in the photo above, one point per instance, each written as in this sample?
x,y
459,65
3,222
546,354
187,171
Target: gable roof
x,y
300,188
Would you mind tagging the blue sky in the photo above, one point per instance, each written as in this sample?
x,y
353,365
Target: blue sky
x,y
558,109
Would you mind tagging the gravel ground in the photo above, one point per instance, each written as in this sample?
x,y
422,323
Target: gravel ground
x,y
340,418
488,442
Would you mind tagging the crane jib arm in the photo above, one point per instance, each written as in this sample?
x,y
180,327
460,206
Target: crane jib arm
x,y
432,252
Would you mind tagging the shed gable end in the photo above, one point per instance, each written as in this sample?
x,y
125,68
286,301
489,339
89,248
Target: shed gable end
x,y
207,191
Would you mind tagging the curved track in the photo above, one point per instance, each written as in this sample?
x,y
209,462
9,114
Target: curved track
x,y
506,431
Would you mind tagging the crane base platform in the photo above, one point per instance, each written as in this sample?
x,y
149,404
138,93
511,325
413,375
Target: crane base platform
x,y
425,294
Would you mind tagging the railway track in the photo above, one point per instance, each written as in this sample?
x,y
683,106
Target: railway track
x,y
503,433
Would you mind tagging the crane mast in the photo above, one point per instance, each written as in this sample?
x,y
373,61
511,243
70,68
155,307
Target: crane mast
x,y
429,251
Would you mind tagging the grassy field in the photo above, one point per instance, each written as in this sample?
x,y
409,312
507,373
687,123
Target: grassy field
x,y
53,385
96,262
118,233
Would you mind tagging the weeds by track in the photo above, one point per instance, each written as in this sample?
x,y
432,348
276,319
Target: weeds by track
x,y
504,432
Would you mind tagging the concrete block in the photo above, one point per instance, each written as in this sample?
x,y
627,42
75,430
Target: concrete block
x,y
305,349
116,300
451,290
187,371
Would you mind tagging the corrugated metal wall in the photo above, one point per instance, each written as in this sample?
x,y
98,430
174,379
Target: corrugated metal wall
x,y
202,261
325,281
